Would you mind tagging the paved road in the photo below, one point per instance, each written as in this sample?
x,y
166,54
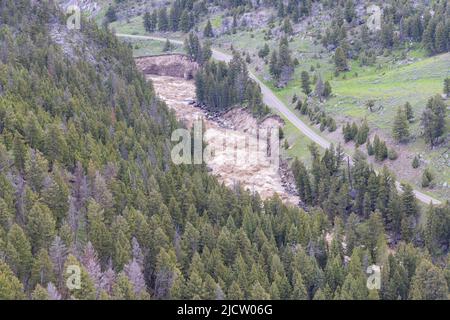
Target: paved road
x,y
273,102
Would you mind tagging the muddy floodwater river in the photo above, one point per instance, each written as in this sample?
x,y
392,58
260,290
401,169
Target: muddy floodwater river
x,y
235,164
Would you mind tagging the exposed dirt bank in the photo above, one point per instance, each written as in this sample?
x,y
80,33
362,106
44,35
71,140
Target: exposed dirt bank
x,y
173,65
237,157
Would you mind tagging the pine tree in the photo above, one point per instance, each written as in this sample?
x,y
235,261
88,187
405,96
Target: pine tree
x,y
258,293
383,151
306,83
363,132
42,270
331,123
206,52
111,14
327,91
370,149
36,171
154,16
208,31
122,246
6,215
415,163
98,232
167,46
20,152
347,132
149,24
334,273
436,229
340,60
434,120
400,131
123,289
299,292
18,251
235,292
380,149
353,131
185,21
408,200
264,52
195,286
287,27
174,16
39,293
10,286
194,48
319,90
387,35
441,38
304,108
41,226
409,112
56,196
274,67
281,10
353,289
33,132
428,283
163,20
320,295
349,10
428,36
427,178
56,147
285,65
447,87
303,181
372,230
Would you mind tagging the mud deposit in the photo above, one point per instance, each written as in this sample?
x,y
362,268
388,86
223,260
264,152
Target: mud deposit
x,y
235,155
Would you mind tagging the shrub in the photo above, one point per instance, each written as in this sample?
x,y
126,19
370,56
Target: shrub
x,y
370,150
427,178
415,162
392,154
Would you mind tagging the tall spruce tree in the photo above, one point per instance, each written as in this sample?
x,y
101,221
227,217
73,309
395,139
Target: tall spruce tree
x,y
208,31
340,60
400,131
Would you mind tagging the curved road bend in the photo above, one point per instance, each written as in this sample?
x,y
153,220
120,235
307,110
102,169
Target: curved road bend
x,y
272,101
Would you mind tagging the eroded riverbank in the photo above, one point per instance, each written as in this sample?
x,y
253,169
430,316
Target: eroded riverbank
x,y
236,164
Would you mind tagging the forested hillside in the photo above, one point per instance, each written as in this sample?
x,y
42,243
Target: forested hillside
x,y
86,180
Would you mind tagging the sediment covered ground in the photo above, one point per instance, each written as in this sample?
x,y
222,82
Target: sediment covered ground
x,y
236,155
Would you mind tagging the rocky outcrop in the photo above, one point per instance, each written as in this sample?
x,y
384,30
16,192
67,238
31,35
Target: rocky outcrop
x,y
172,65
89,7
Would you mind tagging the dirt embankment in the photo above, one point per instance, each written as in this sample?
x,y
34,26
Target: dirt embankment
x,y
233,139
172,65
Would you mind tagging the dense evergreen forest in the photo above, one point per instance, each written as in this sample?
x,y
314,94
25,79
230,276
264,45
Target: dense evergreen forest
x,y
402,21
220,86
86,180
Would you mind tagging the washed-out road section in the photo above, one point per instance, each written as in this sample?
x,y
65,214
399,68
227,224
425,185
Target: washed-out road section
x,y
273,102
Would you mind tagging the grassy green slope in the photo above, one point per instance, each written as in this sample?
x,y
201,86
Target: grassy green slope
x,y
415,83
